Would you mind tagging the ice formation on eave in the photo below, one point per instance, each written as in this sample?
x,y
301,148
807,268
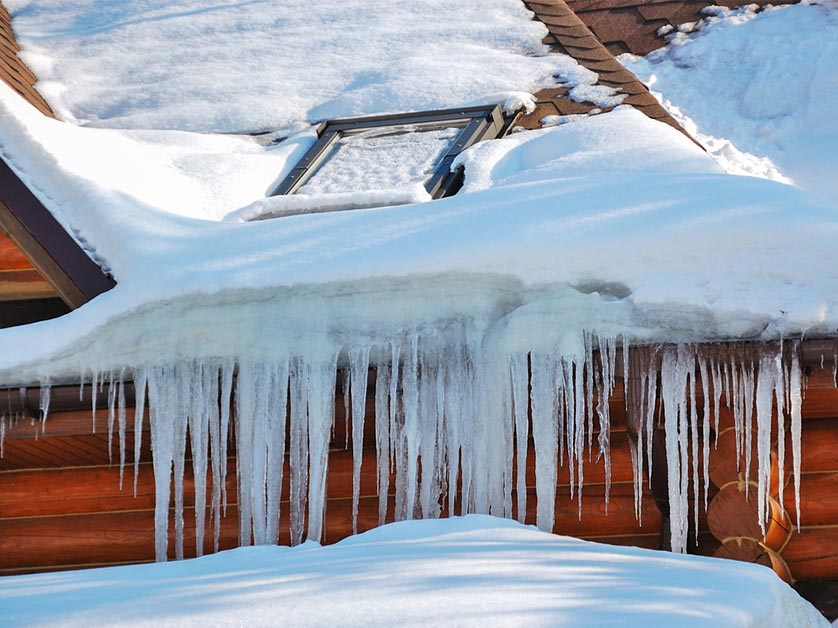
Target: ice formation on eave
x,y
454,411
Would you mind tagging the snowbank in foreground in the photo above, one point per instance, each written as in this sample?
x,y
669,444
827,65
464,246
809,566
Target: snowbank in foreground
x,y
472,571
762,83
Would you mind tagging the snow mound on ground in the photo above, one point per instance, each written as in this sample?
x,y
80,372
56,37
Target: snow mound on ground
x,y
259,64
758,90
471,571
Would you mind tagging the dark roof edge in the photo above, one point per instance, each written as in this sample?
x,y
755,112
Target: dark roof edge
x,y
53,252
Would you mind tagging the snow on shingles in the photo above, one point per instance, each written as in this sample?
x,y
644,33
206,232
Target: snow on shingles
x,y
463,571
259,64
758,90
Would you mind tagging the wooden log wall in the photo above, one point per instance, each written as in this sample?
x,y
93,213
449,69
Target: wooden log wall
x,y
61,505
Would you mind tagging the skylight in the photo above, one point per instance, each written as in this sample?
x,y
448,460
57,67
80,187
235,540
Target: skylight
x,y
392,152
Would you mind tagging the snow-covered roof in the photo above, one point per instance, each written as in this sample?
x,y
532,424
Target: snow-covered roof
x,y
614,200
594,230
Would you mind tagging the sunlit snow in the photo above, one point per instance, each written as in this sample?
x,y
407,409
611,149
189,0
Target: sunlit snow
x,y
255,65
583,237
472,571
758,90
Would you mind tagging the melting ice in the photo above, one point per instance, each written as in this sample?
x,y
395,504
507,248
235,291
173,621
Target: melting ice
x,y
453,413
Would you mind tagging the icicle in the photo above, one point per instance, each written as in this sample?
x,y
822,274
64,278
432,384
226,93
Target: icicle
x,y
182,385
111,414
139,412
43,403
545,437
298,450
565,381
626,356
749,384
673,386
277,420
93,394
382,438
764,406
795,388
410,430
250,453
162,443
120,417
607,355
632,384
428,489
320,380
345,384
650,423
578,386
717,398
453,424
704,371
199,417
587,341
692,418
212,391
519,366
227,372
359,361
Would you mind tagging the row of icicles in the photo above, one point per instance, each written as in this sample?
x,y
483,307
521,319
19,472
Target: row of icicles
x,y
451,418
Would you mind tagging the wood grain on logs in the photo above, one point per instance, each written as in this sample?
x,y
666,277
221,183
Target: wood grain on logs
x,y
731,515
752,551
724,467
818,499
813,553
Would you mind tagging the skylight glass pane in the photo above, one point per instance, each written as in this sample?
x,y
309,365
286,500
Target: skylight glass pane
x,y
381,159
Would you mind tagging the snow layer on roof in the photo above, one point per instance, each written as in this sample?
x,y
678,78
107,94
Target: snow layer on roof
x,y
623,142
758,90
469,571
201,65
677,252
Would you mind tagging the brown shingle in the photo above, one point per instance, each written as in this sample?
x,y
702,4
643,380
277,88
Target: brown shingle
x,y
576,30
619,78
632,25
592,54
607,65
577,40
532,120
613,25
585,42
12,69
642,99
568,107
549,7
666,10
565,20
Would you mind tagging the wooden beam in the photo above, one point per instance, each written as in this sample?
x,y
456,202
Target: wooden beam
x,y
57,256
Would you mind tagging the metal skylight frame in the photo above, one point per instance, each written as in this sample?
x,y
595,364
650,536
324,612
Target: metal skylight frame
x,y
481,123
